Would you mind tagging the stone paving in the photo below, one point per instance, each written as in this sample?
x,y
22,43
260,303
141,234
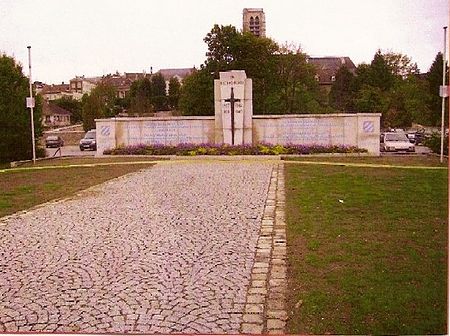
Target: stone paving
x,y
172,249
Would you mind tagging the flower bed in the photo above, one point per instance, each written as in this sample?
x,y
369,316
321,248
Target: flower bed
x,y
224,149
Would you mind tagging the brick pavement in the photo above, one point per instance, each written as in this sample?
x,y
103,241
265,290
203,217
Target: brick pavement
x,y
169,249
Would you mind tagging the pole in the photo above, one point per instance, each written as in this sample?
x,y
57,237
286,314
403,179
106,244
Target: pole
x,y
31,106
443,96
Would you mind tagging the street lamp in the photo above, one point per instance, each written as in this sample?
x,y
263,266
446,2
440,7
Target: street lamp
x,y
30,104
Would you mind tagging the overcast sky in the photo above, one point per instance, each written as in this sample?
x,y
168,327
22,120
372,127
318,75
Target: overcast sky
x,y
97,37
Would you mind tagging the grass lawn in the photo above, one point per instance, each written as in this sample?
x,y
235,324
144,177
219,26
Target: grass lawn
x,y
367,249
405,160
22,189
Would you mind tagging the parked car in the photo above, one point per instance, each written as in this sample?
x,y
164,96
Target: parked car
x,y
395,142
54,141
411,137
89,141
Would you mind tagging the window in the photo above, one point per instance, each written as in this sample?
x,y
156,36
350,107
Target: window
x,y
317,78
333,78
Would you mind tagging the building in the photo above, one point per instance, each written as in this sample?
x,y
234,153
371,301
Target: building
x,y
179,74
327,68
254,21
54,116
54,91
81,85
121,84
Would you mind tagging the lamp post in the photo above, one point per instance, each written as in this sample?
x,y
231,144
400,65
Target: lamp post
x,y
30,104
444,94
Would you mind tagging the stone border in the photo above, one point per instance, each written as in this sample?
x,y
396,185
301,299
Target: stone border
x,y
265,310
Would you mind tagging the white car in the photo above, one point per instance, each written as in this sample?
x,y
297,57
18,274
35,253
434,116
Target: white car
x,y
396,142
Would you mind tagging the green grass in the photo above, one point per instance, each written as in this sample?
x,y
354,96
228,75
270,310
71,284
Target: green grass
x,y
367,249
23,189
403,160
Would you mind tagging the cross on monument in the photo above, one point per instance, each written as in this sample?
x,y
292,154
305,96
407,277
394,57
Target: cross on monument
x,y
232,100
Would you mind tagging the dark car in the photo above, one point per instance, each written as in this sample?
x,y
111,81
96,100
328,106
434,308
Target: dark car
x,y
89,141
54,141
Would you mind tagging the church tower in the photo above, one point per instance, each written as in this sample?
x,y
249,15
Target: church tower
x,y
254,21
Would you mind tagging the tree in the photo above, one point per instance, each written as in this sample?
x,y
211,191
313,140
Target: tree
x,y
159,97
400,65
380,74
297,86
434,78
72,105
229,49
99,104
174,93
220,41
140,96
197,94
283,82
15,118
343,90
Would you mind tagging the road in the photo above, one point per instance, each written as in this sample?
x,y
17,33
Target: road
x,y
172,249
68,151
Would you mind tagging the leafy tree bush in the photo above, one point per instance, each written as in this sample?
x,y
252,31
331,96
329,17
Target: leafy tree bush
x,y
283,81
72,105
174,93
15,118
100,103
434,143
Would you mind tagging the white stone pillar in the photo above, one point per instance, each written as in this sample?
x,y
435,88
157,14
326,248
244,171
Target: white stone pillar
x,y
243,111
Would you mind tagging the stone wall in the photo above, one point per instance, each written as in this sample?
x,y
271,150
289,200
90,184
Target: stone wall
x,y
361,130
117,132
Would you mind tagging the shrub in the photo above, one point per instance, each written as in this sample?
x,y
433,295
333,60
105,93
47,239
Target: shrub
x,y
434,143
224,149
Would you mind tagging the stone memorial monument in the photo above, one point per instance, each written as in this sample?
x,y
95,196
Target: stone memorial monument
x,y
233,123
233,108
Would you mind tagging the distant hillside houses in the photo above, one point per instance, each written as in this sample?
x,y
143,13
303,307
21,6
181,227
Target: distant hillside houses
x,y
54,116
80,85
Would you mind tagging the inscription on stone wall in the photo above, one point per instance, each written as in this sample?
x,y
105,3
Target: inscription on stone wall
x,y
167,132
303,131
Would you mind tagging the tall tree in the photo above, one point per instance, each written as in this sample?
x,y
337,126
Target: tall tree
x,y
197,94
434,78
15,118
159,97
380,74
140,96
343,90
174,93
400,65
297,86
99,104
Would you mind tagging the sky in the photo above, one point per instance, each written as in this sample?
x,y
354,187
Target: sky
x,y
97,37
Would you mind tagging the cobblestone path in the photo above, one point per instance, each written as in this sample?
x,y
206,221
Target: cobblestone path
x,y
168,249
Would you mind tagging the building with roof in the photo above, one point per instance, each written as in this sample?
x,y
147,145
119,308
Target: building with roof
x,y
180,74
327,68
254,21
121,84
54,115
54,91
81,85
